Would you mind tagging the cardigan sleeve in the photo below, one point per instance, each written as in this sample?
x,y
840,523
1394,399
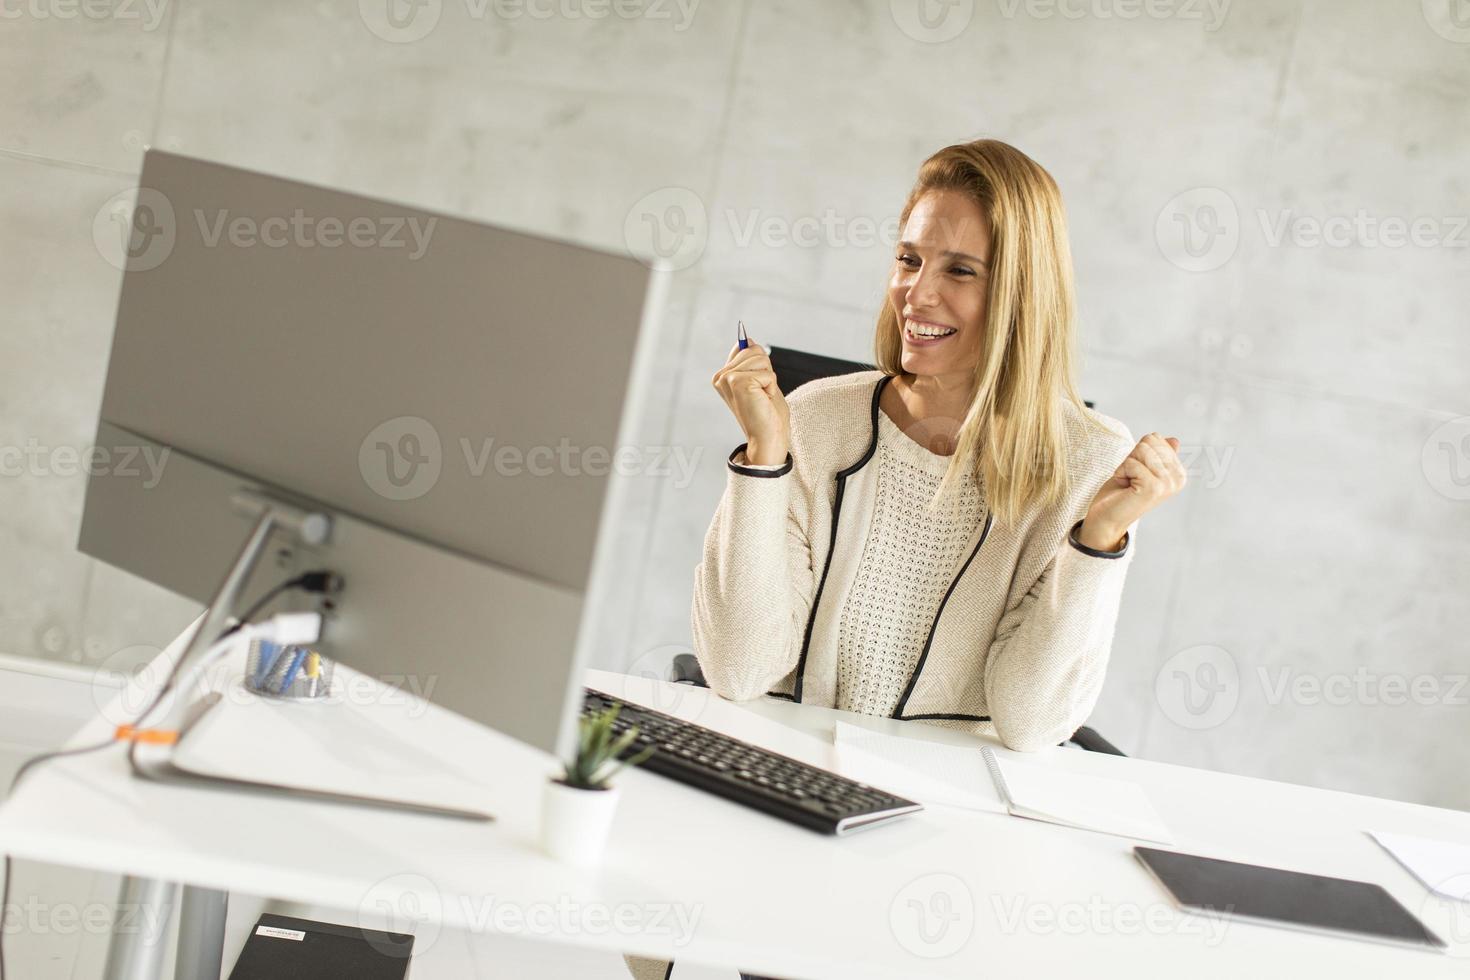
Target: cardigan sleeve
x,y
753,586
1046,663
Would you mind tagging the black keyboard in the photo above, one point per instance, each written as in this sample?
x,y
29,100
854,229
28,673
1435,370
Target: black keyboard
x,y
746,774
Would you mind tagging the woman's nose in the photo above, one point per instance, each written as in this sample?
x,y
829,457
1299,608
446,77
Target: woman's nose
x,y
923,291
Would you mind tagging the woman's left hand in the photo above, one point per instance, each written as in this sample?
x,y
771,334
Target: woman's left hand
x,y
1151,474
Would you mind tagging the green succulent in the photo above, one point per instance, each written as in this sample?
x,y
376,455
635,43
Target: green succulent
x,y
598,751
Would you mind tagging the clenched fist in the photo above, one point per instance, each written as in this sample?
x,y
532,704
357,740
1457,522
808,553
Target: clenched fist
x,y
747,383
1151,474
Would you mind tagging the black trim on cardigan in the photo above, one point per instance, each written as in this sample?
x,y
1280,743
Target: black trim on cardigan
x,y
749,471
945,717
1072,539
780,694
842,476
934,623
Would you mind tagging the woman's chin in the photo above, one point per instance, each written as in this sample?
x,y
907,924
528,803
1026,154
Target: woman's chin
x,y
922,362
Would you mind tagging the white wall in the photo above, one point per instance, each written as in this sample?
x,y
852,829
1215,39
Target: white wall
x,y
1326,538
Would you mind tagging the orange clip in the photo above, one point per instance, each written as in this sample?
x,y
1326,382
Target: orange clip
x,y
148,736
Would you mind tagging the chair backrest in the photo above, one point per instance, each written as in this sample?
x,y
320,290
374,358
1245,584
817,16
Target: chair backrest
x,y
796,367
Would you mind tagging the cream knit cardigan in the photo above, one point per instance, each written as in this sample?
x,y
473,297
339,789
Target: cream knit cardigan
x,y
1020,643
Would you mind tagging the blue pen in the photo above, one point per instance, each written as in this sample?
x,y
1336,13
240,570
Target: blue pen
x,y
268,651
740,336
291,671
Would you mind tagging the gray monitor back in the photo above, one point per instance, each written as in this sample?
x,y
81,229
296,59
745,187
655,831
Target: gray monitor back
x,y
451,392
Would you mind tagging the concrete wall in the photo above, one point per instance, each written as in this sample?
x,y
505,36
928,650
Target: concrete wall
x,y
1268,204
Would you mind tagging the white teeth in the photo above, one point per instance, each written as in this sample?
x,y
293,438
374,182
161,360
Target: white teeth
x,y
926,332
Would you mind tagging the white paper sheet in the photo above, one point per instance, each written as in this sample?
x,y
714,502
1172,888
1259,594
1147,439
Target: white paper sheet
x,y
1443,866
1111,806
931,773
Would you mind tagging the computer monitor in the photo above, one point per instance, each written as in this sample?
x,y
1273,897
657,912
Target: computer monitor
x,y
454,396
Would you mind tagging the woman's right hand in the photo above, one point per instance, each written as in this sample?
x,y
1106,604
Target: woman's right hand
x,y
747,383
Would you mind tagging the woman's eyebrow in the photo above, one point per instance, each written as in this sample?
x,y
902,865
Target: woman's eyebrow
x,y
952,254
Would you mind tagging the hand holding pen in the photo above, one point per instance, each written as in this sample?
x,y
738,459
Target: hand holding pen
x,y
747,383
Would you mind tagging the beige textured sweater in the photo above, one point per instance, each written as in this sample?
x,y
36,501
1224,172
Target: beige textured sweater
x,y
905,569
1020,640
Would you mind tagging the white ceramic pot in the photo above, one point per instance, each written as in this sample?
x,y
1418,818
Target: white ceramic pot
x,y
575,822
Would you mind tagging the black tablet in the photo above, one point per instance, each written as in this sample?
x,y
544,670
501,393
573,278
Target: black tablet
x,y
1286,898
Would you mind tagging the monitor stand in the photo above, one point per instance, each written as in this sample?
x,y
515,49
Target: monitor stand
x,y
157,761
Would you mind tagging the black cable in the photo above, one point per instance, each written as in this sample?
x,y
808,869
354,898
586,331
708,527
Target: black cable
x,y
321,582
317,581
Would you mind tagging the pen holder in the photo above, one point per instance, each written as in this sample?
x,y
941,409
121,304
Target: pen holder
x,y
292,672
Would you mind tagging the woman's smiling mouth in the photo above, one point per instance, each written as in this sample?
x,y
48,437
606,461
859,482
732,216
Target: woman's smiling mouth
x,y
924,334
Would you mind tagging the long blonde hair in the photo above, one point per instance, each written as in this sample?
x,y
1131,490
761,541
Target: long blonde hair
x,y
1014,435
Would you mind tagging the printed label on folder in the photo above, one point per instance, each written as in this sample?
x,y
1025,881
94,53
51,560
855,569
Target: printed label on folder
x,y
277,933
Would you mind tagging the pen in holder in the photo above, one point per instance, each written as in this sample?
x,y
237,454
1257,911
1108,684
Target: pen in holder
x,y
294,672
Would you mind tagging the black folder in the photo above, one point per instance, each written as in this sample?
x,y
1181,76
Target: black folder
x,y
283,948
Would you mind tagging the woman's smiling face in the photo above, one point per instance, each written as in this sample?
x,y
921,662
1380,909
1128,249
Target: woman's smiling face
x,y
940,284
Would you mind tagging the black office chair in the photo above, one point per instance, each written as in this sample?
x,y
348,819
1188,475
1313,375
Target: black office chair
x,y
795,368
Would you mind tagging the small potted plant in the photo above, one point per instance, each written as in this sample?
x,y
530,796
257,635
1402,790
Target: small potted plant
x,y
577,808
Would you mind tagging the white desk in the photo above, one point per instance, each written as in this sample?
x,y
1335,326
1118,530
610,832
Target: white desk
x,y
1004,896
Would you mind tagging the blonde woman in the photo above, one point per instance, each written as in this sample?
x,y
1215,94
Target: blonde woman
x,y
943,539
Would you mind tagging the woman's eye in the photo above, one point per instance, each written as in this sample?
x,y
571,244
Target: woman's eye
x,y
909,260
961,270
